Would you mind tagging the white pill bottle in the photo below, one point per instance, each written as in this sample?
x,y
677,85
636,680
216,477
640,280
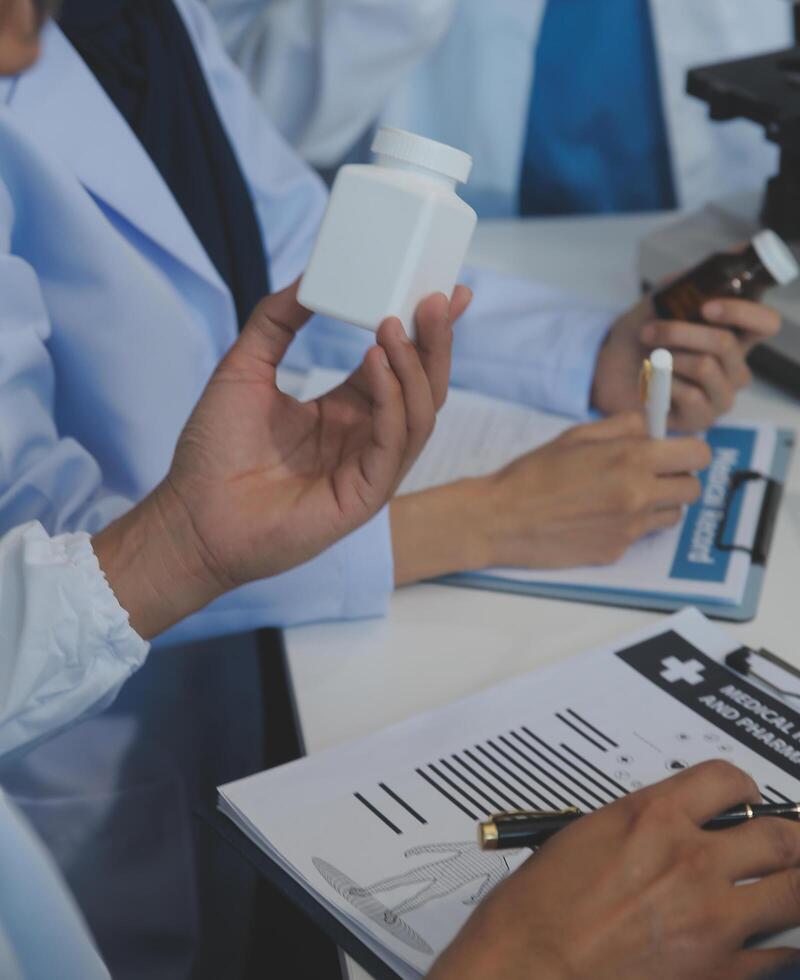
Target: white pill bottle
x,y
395,231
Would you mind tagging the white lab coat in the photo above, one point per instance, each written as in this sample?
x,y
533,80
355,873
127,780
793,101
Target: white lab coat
x,y
475,88
66,647
112,318
325,70
472,90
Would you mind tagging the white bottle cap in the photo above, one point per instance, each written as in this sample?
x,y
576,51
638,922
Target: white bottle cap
x,y
777,257
661,360
422,152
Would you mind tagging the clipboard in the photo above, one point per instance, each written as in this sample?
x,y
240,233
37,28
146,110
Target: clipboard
x,y
590,714
658,602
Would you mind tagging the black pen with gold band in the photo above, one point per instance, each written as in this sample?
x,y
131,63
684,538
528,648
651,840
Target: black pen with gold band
x,y
532,828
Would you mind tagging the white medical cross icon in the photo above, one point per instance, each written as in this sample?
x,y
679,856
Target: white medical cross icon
x,y
675,670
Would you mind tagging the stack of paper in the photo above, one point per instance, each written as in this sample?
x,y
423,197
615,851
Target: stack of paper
x,y
382,832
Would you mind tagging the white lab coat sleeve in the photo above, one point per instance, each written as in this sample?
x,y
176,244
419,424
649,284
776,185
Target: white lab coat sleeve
x,y
66,646
528,343
352,580
324,70
42,476
520,341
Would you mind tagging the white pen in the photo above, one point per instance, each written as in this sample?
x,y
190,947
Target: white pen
x,y
657,391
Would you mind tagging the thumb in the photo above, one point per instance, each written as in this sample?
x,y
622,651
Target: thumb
x,y
628,425
273,325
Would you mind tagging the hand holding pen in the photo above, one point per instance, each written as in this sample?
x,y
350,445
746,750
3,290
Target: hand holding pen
x,y
639,889
710,359
532,828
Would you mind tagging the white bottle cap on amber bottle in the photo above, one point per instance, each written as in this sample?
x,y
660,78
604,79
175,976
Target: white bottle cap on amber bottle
x,y
419,151
777,257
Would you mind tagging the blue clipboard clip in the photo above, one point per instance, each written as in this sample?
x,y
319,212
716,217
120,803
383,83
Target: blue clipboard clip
x,y
773,494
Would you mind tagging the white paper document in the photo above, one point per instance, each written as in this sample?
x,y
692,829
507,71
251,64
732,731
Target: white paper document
x,y
476,435
382,832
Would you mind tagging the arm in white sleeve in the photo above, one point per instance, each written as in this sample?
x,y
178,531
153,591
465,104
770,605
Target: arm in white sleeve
x,y
66,646
529,343
519,340
43,476
324,69
354,579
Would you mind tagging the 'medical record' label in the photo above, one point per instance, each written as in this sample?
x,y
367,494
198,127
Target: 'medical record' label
x,y
697,558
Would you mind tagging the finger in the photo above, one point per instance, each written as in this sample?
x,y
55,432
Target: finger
x,y
273,325
435,344
760,847
753,964
691,409
628,425
698,339
768,905
705,372
417,394
658,520
459,304
705,791
382,458
678,456
756,319
676,492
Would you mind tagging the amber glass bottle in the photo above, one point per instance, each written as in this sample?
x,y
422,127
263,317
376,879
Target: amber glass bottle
x,y
766,262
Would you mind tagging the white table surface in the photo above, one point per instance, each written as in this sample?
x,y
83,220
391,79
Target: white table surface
x,y
440,643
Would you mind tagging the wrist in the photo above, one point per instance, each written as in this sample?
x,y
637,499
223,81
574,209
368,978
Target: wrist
x,y
440,531
154,563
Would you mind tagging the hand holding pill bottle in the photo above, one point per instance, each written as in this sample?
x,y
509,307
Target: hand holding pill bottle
x,y
747,274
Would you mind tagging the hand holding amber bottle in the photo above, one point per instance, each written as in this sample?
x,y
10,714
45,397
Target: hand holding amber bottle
x,y
686,317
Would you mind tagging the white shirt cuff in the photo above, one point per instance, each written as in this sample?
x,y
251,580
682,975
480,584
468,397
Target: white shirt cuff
x,y
69,644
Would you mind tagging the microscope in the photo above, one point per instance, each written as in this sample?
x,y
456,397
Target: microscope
x,y
765,90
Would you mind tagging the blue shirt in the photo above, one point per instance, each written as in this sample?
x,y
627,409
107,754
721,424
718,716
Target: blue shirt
x,y
597,139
